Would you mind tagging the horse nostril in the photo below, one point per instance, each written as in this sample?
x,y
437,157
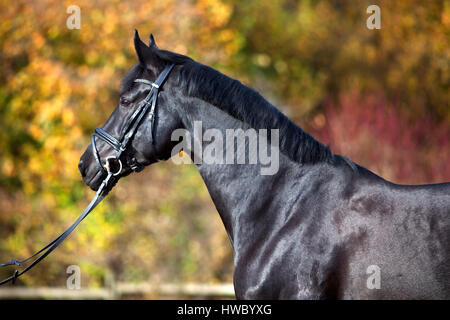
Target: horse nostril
x,y
81,168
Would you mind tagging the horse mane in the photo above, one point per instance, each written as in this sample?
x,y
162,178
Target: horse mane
x,y
242,103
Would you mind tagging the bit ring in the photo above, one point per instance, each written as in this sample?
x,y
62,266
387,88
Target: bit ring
x,y
108,167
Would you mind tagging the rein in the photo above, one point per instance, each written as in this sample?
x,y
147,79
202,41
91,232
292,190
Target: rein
x,y
119,145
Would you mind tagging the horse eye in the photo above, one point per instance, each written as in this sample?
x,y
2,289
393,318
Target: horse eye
x,y
124,101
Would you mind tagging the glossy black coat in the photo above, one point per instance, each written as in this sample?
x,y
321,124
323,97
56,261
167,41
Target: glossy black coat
x,y
312,230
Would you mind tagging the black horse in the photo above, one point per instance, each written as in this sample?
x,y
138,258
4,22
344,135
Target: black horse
x,y
320,227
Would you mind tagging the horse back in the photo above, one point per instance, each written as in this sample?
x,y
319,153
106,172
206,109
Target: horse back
x,y
402,231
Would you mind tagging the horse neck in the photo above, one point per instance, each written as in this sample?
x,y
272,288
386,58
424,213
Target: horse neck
x,y
237,190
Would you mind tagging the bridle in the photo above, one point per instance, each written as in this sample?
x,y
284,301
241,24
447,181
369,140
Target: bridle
x,y
119,145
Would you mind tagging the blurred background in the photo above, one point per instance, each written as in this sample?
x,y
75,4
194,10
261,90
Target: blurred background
x,y
380,97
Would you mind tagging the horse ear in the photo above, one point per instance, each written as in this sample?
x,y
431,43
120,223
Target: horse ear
x,y
140,47
147,56
152,42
